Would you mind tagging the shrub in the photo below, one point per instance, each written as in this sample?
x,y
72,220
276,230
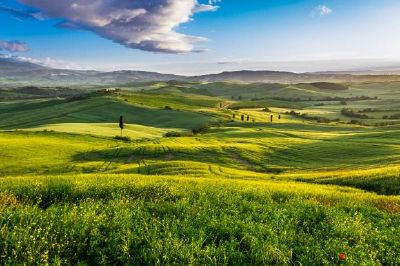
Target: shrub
x,y
175,134
395,116
245,106
201,130
318,119
351,113
123,138
79,97
355,122
329,86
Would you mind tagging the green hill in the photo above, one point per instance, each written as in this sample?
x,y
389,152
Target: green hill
x,y
96,109
292,191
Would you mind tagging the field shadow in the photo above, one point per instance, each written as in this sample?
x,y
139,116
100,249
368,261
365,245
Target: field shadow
x,y
151,156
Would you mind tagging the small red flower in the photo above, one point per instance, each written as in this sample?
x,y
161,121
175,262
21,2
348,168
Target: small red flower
x,y
342,256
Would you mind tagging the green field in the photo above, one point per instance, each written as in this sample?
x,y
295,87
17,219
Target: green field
x,y
295,191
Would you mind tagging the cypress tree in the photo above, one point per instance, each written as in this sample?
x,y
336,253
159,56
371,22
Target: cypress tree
x,y
242,117
121,123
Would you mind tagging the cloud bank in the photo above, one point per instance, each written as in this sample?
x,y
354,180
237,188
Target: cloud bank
x,y
149,25
13,46
46,62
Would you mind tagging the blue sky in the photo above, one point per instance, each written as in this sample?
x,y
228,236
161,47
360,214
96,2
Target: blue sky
x,y
295,35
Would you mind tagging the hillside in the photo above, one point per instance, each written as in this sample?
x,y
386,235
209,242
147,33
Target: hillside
x,y
191,182
10,66
95,109
16,73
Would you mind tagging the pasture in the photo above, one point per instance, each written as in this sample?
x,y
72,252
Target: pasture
x,y
218,191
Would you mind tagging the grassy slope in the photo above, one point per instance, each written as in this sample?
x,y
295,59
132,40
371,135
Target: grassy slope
x,y
133,219
175,100
261,95
101,109
240,194
132,131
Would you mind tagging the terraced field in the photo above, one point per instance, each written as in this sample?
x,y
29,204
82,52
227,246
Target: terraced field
x,y
219,191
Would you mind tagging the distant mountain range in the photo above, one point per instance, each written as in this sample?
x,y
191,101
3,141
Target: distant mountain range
x,y
16,73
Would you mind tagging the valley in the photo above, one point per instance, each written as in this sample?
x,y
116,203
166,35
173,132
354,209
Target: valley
x,y
189,183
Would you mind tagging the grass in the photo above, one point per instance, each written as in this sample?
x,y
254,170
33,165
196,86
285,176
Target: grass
x,y
291,192
105,129
116,219
101,109
177,100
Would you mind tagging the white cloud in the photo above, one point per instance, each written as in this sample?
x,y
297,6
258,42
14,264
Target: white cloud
x,y
149,25
13,46
47,61
204,8
321,11
20,14
213,2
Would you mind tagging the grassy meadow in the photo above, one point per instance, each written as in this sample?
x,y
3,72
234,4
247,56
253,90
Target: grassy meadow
x,y
188,184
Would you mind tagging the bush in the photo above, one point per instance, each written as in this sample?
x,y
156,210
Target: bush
x,y
167,107
318,119
123,138
329,86
351,113
79,97
201,130
395,116
355,122
175,134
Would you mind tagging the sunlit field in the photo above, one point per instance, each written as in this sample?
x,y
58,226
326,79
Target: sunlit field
x,y
190,183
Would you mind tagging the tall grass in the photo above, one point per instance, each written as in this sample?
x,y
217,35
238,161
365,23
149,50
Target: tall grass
x,y
125,219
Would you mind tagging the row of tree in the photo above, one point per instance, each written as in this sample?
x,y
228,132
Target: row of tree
x,y
247,118
242,118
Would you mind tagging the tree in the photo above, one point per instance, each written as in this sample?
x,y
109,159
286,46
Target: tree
x,y
242,117
121,123
272,118
234,116
248,118
279,117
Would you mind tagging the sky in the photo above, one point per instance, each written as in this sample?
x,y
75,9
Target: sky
x,y
202,36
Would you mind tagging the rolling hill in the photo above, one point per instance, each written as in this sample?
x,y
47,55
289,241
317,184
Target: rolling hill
x,y
289,192
17,73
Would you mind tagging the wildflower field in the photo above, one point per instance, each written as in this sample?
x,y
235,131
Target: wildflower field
x,y
214,191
